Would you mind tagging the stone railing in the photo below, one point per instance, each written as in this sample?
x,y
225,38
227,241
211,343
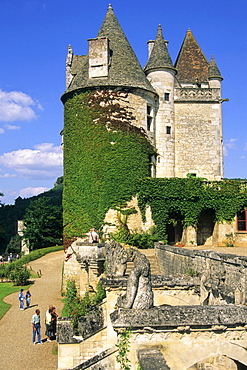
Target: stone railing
x,y
181,317
224,273
196,94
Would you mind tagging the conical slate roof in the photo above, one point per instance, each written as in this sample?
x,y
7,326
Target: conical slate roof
x,y
191,64
124,70
159,57
213,70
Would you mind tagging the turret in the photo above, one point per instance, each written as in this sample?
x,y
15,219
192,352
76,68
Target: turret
x,y
160,72
214,75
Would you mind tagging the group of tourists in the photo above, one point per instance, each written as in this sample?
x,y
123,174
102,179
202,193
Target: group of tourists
x,y
10,258
50,319
50,324
23,297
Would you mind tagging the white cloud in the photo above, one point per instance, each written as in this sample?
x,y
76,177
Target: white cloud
x,y
29,192
11,127
45,161
7,175
16,106
229,144
1,131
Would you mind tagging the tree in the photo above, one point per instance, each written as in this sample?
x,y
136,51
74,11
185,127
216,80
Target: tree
x,y
42,224
14,245
1,204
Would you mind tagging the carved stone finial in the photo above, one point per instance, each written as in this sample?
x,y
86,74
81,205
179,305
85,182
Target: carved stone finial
x,y
109,6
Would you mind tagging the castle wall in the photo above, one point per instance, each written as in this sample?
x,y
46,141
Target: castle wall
x,y
198,140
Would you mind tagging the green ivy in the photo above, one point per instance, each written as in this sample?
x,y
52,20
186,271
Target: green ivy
x,y
107,162
123,350
104,158
188,197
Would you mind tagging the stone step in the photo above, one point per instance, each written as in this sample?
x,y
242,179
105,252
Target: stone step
x,y
150,254
95,359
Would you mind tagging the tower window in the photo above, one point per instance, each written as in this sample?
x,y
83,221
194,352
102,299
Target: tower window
x,y
242,220
167,96
149,118
168,130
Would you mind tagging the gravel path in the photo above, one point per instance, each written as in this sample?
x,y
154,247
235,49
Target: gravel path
x,y
17,350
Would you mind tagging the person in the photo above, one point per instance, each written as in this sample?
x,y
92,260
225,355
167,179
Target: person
x,y
28,299
93,236
1,259
49,323
21,299
36,326
54,316
11,257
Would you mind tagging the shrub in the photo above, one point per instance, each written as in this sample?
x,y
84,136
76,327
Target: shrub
x,y
140,239
20,275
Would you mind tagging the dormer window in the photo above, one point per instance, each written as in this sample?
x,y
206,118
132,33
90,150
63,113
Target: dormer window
x,y
167,96
98,57
168,130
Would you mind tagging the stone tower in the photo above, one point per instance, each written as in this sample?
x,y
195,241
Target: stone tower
x,y
123,123
188,121
197,114
161,73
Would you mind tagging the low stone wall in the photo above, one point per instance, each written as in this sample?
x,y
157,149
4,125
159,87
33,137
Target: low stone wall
x,y
181,317
186,335
227,271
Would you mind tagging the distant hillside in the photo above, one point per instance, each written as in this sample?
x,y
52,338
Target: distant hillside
x,y
10,214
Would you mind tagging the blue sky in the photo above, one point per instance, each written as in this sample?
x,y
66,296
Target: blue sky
x,y
34,38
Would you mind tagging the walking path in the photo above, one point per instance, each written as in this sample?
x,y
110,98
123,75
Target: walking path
x,y
17,350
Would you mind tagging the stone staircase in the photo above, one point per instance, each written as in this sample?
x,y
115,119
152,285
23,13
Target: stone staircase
x,y
151,256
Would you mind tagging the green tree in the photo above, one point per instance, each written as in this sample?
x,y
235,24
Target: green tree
x,y
43,224
14,245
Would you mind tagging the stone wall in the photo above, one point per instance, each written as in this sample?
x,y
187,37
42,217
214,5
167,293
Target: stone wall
x,y
227,271
198,139
187,336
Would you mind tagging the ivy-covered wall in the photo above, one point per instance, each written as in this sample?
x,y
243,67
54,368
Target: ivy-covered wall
x,y
105,156
189,197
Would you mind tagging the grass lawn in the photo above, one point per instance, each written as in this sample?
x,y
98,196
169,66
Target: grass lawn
x,y
6,289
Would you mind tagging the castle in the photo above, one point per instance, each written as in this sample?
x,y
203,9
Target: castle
x,y
178,105
123,124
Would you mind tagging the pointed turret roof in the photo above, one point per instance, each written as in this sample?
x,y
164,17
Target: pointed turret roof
x,y
124,69
213,70
159,57
191,63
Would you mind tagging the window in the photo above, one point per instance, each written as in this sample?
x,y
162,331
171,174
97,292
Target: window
x,y
167,95
242,220
149,118
168,130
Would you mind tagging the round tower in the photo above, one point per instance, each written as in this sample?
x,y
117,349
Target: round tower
x,y
160,72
